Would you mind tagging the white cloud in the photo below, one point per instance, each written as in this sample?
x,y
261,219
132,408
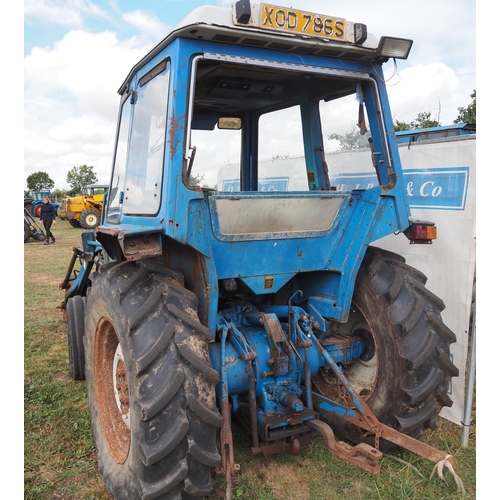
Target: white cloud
x,y
147,24
71,102
62,12
434,88
80,62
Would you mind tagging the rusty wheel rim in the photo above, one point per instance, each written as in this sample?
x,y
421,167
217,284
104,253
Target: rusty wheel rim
x,y
112,392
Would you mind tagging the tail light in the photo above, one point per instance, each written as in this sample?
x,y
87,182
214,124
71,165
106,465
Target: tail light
x,y
421,232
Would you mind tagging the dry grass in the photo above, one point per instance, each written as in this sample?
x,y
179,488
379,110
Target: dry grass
x,y
59,455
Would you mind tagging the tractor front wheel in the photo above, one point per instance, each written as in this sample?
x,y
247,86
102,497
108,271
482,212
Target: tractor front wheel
x,y
151,388
405,371
75,315
89,219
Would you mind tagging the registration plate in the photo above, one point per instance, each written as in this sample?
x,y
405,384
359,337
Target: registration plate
x,y
300,22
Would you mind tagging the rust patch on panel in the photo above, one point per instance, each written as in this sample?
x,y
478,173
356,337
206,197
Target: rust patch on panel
x,y
174,126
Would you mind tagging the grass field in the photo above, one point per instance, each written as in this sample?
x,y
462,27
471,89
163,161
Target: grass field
x,y
59,456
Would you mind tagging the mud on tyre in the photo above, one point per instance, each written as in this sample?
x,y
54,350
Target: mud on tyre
x,y
405,372
150,384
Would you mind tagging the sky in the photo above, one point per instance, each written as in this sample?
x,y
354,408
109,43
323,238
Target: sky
x,y
78,52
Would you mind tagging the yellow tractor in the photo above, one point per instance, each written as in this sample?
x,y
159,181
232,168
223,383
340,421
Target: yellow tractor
x,y
84,210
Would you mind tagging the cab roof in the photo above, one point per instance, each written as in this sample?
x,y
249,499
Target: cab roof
x,y
218,24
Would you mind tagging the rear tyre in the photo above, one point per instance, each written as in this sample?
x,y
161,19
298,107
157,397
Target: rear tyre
x,y
151,387
76,308
89,219
27,232
405,372
74,223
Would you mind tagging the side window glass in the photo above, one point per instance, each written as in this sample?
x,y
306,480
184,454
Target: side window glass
x,y
118,179
142,190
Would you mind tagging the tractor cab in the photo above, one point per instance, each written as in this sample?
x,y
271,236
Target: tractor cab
x,y
235,279
246,86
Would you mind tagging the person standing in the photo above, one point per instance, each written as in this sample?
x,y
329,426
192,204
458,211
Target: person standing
x,y
48,216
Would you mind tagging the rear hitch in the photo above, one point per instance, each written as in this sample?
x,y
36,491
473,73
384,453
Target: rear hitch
x,y
364,417
414,445
366,456
363,455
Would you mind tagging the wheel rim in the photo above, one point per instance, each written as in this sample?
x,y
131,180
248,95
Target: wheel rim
x,y
120,386
112,392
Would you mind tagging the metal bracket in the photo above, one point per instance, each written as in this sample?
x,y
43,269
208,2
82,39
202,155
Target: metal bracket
x,y
363,455
366,419
383,431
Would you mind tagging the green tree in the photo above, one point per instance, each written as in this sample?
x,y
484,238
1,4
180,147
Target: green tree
x,y
351,140
468,114
39,181
81,177
423,120
58,194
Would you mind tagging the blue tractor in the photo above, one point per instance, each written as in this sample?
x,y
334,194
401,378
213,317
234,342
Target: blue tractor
x,y
33,203
205,303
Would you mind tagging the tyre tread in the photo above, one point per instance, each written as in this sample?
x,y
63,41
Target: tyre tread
x,y
154,452
150,303
189,321
408,289
156,349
